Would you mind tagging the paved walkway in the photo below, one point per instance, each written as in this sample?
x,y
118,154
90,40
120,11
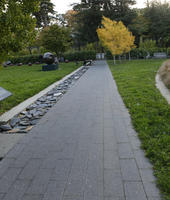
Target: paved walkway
x,y
83,149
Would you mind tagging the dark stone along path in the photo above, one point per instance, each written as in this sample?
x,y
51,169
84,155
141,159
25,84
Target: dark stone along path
x,y
84,148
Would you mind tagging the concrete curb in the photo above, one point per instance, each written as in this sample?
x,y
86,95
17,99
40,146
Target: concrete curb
x,y
162,88
20,107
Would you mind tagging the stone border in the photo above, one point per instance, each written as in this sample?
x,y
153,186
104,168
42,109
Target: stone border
x,y
162,88
20,107
25,120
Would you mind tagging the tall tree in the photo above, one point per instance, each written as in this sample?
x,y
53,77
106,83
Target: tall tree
x,y
88,18
55,38
158,15
90,12
139,26
45,14
115,37
16,24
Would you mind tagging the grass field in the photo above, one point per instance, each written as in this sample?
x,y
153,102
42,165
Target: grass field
x,y
26,81
149,111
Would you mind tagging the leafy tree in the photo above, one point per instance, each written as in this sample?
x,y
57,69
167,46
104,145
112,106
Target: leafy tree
x,y
16,24
55,38
139,26
43,16
158,16
69,18
88,18
115,37
149,46
90,12
121,11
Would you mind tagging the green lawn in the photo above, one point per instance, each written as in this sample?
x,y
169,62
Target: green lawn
x,y
149,111
26,81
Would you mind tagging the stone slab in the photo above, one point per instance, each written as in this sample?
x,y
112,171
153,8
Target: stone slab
x,y
4,94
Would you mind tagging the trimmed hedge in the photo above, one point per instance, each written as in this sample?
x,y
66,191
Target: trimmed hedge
x,y
80,56
24,59
135,53
138,53
75,56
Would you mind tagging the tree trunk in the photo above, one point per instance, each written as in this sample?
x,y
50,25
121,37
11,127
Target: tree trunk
x,y
129,56
30,50
119,58
38,49
125,57
114,58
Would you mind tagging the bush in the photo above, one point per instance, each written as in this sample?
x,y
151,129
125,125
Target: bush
x,y
80,55
138,53
24,59
149,46
109,55
168,51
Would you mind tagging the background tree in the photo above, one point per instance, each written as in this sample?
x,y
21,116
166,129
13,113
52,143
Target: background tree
x,y
88,18
158,16
149,46
55,38
90,12
69,18
122,11
115,37
45,14
16,25
139,26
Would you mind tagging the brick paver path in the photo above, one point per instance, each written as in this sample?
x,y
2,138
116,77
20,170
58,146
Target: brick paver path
x,y
84,148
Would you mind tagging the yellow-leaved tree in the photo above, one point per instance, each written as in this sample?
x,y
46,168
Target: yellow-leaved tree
x,y
115,37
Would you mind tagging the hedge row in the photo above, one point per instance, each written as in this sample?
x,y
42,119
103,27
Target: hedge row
x,y
80,56
140,53
24,59
75,56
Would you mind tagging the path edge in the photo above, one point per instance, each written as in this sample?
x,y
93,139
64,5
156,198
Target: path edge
x,y
162,88
4,118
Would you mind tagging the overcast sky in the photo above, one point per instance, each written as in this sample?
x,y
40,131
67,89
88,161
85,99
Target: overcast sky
x,y
63,5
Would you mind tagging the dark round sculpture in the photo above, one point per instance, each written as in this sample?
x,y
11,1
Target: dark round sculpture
x,y
48,58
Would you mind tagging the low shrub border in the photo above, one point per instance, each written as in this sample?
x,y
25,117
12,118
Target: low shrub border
x,y
25,59
80,55
150,113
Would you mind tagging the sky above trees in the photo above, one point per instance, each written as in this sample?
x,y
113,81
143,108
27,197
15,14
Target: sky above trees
x,y
63,6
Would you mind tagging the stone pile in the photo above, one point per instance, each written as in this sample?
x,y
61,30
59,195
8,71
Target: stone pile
x,y
24,121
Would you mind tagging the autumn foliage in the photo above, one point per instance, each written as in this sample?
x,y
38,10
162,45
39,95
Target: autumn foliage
x,y
115,37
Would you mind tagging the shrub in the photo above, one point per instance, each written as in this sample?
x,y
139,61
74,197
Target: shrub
x,y
24,59
149,46
109,55
138,53
168,51
80,55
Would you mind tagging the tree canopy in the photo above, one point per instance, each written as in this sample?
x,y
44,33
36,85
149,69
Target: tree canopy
x,y
45,14
90,12
16,24
55,38
158,16
115,37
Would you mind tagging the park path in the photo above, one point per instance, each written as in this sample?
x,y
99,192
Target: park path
x,y
84,148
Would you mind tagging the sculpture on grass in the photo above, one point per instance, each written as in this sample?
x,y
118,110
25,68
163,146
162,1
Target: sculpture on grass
x,y
51,62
